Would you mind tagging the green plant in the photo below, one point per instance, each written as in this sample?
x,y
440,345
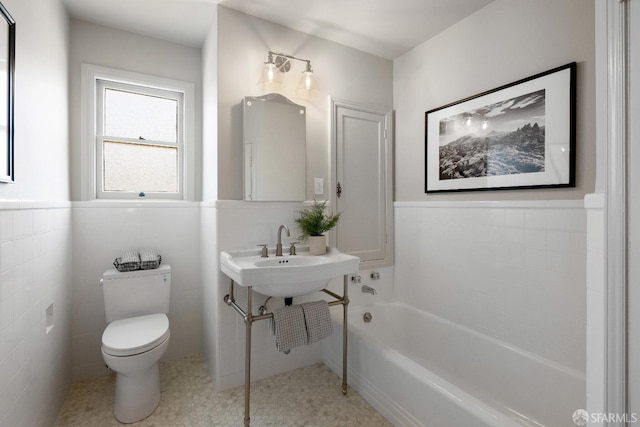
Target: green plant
x,y
313,221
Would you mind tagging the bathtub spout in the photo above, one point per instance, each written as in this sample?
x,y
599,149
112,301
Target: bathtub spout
x,y
368,290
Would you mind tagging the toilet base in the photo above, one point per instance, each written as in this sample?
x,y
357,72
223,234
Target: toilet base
x,y
137,395
137,392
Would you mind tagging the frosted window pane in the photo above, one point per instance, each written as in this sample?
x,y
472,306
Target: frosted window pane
x,y
133,115
140,167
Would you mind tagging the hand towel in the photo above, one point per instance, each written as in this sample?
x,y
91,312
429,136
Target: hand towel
x,y
318,320
289,327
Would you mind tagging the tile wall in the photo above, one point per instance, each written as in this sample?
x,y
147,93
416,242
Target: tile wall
x,y
596,300
35,272
209,274
515,271
101,232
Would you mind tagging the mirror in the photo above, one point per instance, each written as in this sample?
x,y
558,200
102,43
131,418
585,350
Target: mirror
x,y
7,67
274,134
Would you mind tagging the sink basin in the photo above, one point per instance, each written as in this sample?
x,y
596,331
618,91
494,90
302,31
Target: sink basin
x,y
286,276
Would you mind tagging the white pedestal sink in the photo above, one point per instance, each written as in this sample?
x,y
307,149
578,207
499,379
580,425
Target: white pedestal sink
x,y
288,275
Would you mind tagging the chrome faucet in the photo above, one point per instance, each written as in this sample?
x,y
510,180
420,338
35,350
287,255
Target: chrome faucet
x,y
279,244
368,290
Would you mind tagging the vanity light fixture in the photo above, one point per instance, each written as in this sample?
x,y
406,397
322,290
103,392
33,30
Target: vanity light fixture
x,y
280,63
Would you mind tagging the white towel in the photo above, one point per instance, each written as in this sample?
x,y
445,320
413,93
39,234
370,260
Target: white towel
x,y
289,327
318,320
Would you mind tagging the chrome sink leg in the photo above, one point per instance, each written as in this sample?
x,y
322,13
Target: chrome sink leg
x,y
247,359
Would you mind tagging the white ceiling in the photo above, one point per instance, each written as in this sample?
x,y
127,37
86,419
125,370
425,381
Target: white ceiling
x,y
386,28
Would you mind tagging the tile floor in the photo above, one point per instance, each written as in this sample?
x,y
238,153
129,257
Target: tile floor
x,y
309,396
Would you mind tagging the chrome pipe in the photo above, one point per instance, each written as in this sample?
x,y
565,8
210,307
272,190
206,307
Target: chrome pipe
x,y
247,361
239,309
262,316
333,294
230,301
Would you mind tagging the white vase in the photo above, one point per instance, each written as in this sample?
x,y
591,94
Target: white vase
x,y
318,245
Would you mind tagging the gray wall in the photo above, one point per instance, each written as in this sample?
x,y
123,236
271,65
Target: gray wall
x,y
107,47
342,72
506,41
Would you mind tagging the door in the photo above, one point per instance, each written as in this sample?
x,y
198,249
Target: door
x,y
361,170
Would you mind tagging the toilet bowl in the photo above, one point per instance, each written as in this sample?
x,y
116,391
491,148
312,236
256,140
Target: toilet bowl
x,y
136,337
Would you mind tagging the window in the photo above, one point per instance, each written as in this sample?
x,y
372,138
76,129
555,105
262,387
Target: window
x,y
138,136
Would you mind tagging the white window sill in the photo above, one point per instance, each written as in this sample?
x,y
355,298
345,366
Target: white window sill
x,y
136,203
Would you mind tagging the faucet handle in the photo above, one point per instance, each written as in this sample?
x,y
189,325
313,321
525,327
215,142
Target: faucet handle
x,y
292,247
265,251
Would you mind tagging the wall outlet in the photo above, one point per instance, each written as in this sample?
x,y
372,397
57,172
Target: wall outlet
x,y
318,186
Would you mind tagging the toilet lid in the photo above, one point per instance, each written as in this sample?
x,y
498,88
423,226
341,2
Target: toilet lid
x,y
135,335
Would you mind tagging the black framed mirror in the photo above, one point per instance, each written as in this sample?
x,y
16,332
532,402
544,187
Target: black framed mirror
x,y
7,80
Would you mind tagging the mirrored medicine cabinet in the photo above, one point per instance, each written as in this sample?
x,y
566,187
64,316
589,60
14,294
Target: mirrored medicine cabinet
x,y
274,137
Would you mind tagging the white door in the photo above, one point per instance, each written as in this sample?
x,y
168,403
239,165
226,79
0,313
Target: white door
x,y
362,177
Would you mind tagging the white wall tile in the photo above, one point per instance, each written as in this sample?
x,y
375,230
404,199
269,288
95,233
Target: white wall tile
x,y
514,273
33,275
595,282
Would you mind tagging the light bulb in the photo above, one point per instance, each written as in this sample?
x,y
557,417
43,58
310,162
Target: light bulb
x,y
308,85
270,78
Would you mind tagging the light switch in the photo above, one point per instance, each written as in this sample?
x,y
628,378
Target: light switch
x,y
318,186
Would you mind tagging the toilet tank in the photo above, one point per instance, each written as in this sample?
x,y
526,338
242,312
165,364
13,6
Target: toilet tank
x,y
136,293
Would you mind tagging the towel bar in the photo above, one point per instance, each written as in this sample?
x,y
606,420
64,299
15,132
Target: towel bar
x,y
249,318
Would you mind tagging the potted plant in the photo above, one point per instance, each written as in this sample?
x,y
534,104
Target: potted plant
x,y
313,223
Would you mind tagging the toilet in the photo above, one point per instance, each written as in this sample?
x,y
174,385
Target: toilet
x,y
136,304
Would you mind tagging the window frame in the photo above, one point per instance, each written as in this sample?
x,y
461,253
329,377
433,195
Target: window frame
x,y
93,79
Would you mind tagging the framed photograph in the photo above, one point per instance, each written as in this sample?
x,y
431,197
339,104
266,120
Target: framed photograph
x,y
521,135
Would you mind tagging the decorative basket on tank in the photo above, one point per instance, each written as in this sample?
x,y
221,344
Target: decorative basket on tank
x,y
149,259
129,261
146,259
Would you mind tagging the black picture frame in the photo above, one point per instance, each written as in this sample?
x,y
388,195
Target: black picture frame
x,y
518,136
7,97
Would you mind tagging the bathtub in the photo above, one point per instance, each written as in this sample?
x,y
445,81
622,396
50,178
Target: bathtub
x,y
418,369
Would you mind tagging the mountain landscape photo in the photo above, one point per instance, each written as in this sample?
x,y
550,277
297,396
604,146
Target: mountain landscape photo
x,y
503,138
494,154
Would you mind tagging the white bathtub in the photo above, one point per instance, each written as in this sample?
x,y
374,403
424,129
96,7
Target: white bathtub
x,y
418,369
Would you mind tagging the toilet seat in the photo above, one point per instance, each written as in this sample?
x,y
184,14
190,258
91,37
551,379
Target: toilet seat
x,y
135,335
